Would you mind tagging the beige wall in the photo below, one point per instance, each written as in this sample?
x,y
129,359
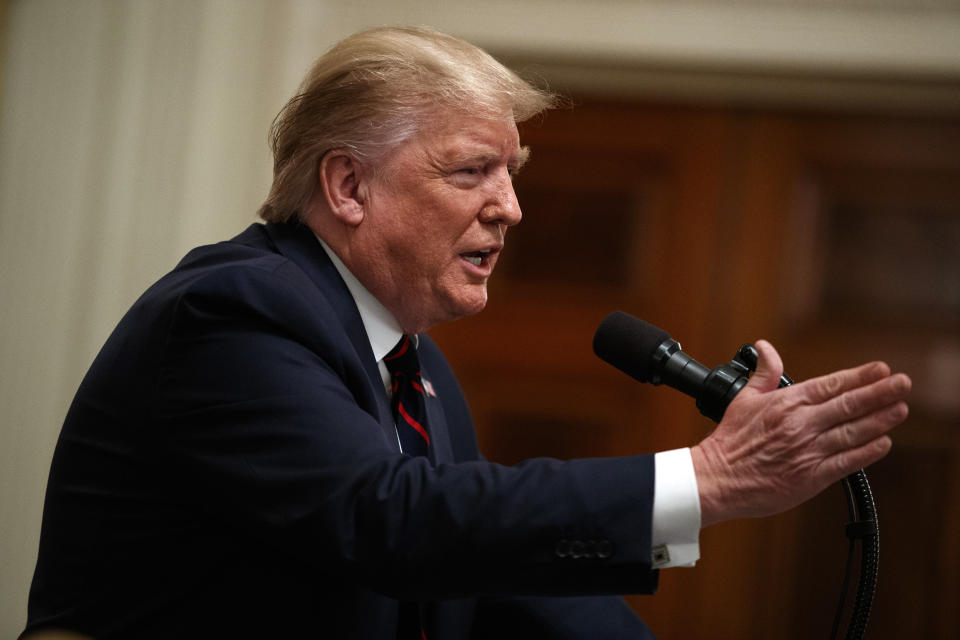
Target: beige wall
x,y
132,131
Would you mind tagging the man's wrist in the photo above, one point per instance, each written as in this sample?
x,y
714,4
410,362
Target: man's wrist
x,y
707,485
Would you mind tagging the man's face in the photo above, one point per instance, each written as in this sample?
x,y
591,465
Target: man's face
x,y
435,218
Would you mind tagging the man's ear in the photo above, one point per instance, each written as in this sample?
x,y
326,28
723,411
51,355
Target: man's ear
x,y
340,176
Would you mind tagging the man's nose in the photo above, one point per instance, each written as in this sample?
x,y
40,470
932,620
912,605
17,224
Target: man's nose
x,y
503,206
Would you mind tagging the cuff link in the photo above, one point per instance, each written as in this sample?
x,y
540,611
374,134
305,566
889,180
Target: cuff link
x,y
661,556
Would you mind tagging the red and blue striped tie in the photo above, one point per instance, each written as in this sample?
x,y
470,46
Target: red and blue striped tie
x,y
408,401
410,415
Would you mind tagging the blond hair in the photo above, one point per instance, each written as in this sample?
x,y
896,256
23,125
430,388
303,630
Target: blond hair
x,y
376,89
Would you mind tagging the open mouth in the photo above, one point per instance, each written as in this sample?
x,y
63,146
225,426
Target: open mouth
x,y
476,258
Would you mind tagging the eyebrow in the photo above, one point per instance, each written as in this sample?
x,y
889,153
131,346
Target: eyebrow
x,y
522,156
515,164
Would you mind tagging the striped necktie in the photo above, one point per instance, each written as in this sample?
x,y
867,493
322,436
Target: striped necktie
x,y
408,401
410,415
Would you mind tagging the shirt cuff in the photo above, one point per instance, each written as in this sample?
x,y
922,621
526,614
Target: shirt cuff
x,y
676,511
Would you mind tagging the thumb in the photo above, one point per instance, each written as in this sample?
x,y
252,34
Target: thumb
x,y
769,368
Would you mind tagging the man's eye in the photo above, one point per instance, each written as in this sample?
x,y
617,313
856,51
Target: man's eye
x,y
470,171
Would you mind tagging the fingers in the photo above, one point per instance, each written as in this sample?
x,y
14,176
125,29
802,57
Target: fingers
x,y
824,388
851,404
844,463
769,368
851,435
862,416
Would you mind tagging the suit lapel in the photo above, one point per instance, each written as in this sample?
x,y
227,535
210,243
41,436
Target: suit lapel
x,y
441,450
297,242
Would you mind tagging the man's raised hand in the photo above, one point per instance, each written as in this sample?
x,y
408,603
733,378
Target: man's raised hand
x,y
776,448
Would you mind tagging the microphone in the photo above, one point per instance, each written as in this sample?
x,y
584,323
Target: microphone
x,y
648,354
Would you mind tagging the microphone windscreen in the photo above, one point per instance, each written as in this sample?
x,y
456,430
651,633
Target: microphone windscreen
x,y
628,343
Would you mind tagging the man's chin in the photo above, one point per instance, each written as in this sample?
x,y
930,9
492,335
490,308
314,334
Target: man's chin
x,y
468,305
454,309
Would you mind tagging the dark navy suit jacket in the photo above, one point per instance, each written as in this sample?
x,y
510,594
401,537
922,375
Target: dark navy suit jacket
x,y
229,468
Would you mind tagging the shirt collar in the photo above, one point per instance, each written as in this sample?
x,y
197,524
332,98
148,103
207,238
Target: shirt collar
x,y
382,328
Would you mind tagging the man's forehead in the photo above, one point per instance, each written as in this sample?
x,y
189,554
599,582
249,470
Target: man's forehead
x,y
477,139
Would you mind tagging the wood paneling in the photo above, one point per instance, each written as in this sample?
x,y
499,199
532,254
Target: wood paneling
x,y
836,237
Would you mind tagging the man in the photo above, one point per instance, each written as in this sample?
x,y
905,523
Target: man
x,y
246,457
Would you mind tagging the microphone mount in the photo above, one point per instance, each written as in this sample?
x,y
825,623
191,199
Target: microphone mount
x,y
713,389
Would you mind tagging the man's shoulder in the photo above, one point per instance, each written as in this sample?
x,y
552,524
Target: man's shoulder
x,y
250,249
243,275
248,257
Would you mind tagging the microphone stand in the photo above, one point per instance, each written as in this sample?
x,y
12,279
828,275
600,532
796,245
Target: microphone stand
x,y
862,526
720,387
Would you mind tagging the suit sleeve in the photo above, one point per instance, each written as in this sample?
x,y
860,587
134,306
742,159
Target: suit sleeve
x,y
261,409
